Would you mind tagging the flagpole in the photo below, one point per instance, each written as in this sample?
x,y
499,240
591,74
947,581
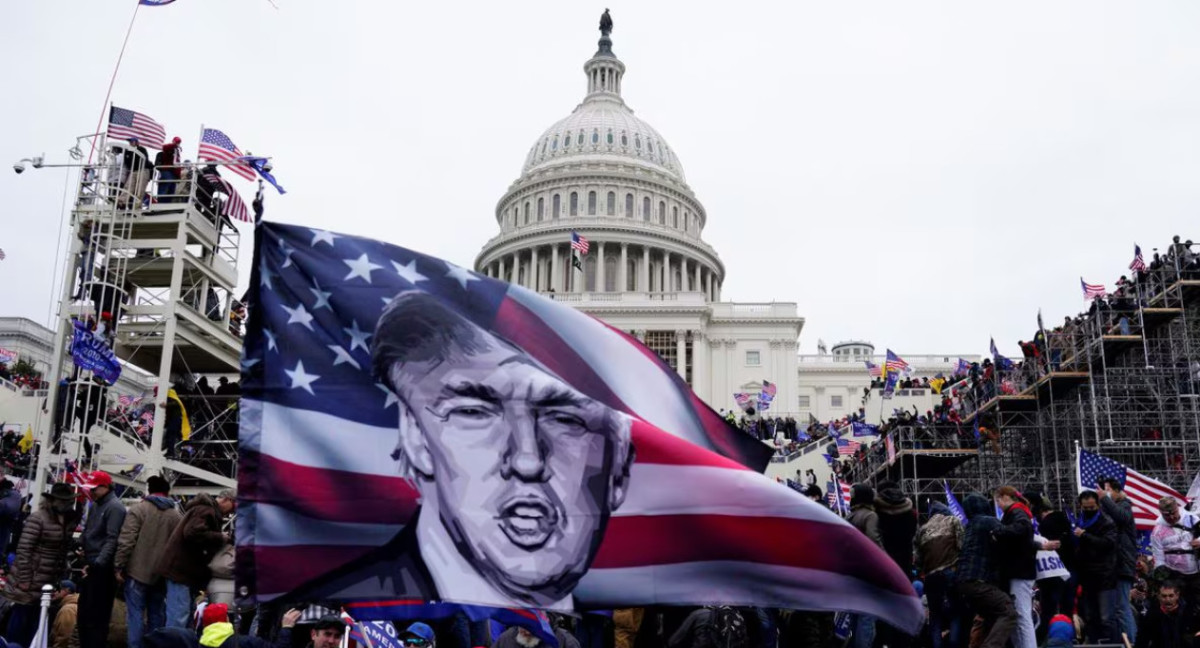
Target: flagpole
x,y
113,79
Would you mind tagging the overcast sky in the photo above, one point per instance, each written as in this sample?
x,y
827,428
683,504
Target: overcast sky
x,y
919,174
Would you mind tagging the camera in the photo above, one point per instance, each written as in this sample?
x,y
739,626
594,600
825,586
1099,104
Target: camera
x,y
19,167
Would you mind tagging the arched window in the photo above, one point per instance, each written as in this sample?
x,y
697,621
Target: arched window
x,y
567,141
595,136
610,274
555,206
541,208
674,217
624,139
579,140
662,212
610,137
687,220
544,142
589,272
612,204
574,203
554,145
526,212
628,205
645,209
630,275
650,146
591,203
637,142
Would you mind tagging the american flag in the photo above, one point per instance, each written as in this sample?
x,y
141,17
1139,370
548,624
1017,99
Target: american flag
x,y
832,488
873,369
1092,291
579,242
233,207
322,489
847,447
216,146
125,400
769,389
742,399
124,124
1138,264
1143,492
891,448
962,367
895,362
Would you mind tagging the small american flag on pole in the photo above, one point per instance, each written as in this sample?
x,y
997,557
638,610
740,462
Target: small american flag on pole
x,y
233,207
1138,264
873,369
895,362
579,243
216,146
1092,291
847,447
124,124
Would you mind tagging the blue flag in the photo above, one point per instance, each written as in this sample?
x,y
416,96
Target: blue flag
x,y
864,429
260,165
975,428
952,503
91,353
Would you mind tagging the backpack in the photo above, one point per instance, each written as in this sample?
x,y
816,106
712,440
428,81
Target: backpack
x,y
725,628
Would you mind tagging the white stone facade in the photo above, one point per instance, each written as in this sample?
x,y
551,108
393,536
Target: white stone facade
x,y
610,177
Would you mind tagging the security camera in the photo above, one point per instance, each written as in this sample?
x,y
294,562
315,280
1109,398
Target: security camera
x,y
19,167
37,161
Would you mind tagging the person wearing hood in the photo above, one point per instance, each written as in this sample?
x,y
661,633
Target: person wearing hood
x,y
978,572
1119,507
938,543
897,529
864,518
148,526
41,559
192,545
1096,559
1017,558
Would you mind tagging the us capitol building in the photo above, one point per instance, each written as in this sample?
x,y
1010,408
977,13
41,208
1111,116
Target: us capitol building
x,y
609,176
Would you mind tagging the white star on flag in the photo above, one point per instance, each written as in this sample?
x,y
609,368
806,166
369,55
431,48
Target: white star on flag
x,y
300,379
322,235
390,398
265,275
357,337
459,274
343,356
249,362
322,297
299,315
409,272
287,254
360,267
270,339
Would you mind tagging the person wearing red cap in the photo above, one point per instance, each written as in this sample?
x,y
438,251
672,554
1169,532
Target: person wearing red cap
x,y
167,163
100,536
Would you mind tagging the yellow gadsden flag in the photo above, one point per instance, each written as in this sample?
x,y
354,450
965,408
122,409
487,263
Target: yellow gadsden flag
x,y
26,442
187,426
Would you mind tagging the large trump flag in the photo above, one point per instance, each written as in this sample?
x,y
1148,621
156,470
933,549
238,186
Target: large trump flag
x,y
414,430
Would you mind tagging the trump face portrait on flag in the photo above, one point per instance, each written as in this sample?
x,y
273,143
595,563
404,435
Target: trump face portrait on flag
x,y
517,471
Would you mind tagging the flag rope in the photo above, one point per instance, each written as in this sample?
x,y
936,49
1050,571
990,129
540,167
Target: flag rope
x,y
113,79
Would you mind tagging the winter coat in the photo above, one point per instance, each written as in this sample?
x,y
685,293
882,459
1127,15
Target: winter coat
x,y
1160,630
193,543
64,622
41,554
148,527
897,526
508,639
1056,526
864,518
10,511
1127,542
977,560
1016,553
1096,554
938,543
102,530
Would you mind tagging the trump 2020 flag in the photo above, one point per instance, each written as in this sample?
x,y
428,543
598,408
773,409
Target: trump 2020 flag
x,y
413,430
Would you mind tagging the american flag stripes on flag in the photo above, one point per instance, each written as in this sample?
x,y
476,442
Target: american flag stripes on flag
x,y
216,146
232,206
962,367
769,388
895,362
320,488
831,495
1138,264
579,243
847,447
1143,492
873,369
1092,291
124,124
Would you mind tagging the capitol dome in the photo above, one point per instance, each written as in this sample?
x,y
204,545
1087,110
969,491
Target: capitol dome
x,y
609,177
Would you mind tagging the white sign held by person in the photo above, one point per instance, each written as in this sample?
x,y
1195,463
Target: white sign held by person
x,y
1049,565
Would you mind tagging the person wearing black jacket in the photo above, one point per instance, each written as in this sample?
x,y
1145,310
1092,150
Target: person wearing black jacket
x,y
1055,595
1117,506
1096,568
1017,560
897,528
1167,624
977,573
